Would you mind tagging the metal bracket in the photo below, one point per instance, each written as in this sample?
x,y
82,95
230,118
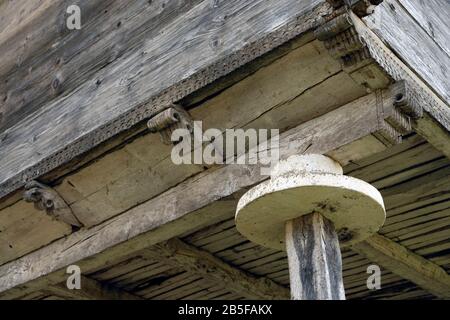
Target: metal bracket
x,y
46,198
168,120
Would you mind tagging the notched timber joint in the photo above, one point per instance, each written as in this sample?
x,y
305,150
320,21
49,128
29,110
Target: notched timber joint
x,y
169,120
48,200
342,41
407,101
360,7
392,121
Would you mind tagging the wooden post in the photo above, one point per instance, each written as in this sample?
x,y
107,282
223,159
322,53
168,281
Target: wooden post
x,y
299,209
315,264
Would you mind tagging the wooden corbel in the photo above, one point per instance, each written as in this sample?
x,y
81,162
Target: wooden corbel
x,y
340,38
344,43
48,200
168,120
359,7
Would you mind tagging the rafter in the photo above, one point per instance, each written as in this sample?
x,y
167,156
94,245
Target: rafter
x,y
405,263
180,254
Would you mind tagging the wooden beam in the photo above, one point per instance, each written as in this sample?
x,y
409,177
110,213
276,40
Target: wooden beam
x,y
395,25
180,254
169,214
193,51
90,290
407,264
434,122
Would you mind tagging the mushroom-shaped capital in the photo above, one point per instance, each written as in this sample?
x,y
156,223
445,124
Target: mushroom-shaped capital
x,y
306,184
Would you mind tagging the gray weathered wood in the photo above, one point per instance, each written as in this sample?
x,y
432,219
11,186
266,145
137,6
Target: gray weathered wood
x,y
193,51
406,264
434,123
169,214
412,43
434,17
90,290
315,264
200,262
42,73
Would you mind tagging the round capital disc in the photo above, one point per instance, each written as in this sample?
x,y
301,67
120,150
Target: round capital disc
x,y
355,207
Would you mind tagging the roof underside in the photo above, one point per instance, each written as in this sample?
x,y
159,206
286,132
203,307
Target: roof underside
x,y
133,202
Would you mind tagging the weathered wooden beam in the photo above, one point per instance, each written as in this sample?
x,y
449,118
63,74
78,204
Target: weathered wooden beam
x,y
407,264
203,263
434,123
169,214
90,290
198,48
363,53
413,45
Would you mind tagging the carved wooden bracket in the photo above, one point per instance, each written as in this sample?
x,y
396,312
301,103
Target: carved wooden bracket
x,y
168,121
46,198
366,66
340,38
360,7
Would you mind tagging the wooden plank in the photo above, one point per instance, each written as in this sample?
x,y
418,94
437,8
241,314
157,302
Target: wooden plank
x,y
406,264
434,124
91,290
138,86
27,29
201,262
53,61
413,45
169,215
433,18
23,227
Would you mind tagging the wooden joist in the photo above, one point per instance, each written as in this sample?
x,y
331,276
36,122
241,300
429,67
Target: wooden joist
x,y
193,204
433,118
406,264
200,262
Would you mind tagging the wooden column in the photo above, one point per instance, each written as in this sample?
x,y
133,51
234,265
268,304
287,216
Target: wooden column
x,y
315,264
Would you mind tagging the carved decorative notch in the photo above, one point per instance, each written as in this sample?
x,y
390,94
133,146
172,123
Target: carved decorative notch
x,y
342,41
48,200
168,121
360,7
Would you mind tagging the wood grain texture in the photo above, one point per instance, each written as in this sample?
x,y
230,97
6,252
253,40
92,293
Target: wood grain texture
x,y
433,16
197,49
191,204
406,264
315,264
90,290
203,263
412,43
280,95
110,30
434,124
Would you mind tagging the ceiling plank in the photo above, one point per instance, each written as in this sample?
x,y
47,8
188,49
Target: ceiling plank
x,y
405,263
200,262
90,290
